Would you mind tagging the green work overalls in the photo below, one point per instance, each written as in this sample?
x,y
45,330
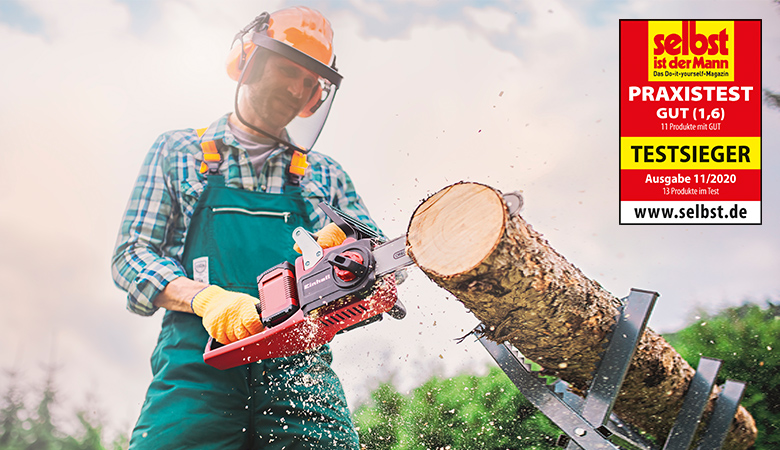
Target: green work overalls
x,y
283,403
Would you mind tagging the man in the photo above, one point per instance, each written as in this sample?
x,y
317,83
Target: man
x,y
211,210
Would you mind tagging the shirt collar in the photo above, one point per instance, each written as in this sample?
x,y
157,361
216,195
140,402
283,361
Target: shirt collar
x,y
220,130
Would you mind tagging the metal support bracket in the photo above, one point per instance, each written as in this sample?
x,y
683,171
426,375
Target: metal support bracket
x,y
536,392
681,435
725,408
614,364
589,423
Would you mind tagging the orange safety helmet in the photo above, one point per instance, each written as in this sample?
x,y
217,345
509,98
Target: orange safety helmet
x,y
300,34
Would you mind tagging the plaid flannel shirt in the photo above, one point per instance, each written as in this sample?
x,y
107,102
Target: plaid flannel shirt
x,y
151,239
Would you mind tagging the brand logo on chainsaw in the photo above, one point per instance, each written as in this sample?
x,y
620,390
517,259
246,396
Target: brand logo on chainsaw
x,y
316,282
399,254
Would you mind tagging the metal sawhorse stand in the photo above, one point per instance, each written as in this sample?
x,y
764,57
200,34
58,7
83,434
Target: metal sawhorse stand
x,y
589,423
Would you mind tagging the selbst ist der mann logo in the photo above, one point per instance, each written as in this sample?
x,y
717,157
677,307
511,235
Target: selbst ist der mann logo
x,y
691,50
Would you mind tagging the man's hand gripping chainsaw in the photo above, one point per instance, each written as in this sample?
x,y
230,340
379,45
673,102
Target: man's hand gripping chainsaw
x,y
327,291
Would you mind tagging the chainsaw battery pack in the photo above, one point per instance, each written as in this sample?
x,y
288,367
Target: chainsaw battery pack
x,y
278,294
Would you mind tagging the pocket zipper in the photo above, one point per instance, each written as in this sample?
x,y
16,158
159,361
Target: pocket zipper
x,y
284,215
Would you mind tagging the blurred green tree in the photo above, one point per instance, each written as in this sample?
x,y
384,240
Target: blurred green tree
x,y
34,428
10,414
42,431
379,423
463,412
747,340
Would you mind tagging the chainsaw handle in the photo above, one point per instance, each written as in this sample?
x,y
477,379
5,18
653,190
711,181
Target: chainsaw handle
x,y
341,223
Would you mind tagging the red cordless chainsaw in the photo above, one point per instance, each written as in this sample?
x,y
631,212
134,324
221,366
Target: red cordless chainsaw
x,y
327,291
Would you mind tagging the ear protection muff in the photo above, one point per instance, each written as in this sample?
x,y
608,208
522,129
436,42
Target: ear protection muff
x,y
237,58
314,103
319,96
240,54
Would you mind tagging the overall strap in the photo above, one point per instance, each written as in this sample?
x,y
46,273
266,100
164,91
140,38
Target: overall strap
x,y
211,160
297,168
211,156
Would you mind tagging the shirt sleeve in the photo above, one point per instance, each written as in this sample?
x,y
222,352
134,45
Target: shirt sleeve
x,y
139,265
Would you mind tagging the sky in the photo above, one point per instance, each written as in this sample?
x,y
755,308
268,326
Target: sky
x,y
518,95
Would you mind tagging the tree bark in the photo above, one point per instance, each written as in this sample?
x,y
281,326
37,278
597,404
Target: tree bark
x,y
529,295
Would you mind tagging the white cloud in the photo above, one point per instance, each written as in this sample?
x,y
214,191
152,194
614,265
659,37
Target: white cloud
x,y
80,20
369,9
491,19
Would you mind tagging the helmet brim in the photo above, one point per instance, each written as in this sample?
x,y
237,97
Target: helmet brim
x,y
298,57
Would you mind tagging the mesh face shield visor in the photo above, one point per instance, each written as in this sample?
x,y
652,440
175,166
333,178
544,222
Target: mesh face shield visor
x,y
285,94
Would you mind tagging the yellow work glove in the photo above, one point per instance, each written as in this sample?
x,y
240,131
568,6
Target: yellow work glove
x,y
227,316
328,237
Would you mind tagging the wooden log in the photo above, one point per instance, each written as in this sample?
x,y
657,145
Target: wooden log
x,y
527,294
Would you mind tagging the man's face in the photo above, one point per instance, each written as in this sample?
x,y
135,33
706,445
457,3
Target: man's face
x,y
274,98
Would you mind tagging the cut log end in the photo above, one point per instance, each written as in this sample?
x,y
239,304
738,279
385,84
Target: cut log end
x,y
457,229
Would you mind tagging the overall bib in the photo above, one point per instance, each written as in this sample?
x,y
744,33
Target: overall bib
x,y
284,403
